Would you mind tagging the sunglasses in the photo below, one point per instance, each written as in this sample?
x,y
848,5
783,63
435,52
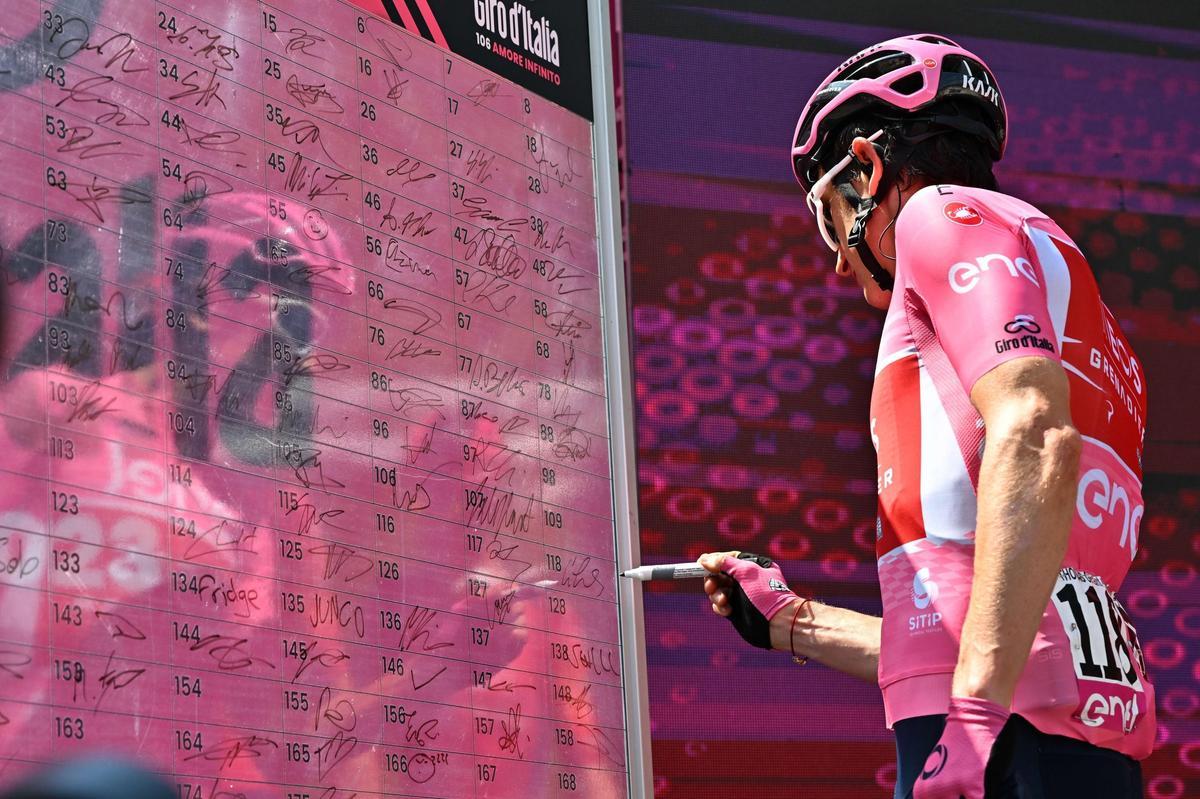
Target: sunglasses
x,y
817,206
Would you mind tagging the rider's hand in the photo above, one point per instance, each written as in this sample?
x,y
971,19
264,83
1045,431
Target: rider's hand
x,y
747,589
955,768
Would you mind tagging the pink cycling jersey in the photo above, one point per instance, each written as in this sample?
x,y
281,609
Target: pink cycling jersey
x,y
983,278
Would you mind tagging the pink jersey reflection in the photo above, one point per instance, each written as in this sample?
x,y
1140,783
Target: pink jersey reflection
x,y
300,488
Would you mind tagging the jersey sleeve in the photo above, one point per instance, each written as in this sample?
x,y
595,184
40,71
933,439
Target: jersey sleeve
x,y
974,276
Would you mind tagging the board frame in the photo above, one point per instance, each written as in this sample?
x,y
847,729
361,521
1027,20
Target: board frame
x,y
616,329
618,379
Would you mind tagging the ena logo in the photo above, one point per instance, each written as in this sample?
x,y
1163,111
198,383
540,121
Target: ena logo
x,y
982,87
965,276
1100,708
1099,498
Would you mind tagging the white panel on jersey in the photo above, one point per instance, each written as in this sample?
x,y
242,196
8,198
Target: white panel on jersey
x,y
947,496
886,360
1057,275
895,342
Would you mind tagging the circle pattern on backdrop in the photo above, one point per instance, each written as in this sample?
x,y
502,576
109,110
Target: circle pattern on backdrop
x,y
753,372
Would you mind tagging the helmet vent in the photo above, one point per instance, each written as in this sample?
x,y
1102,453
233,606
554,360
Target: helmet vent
x,y
909,84
966,66
876,65
931,39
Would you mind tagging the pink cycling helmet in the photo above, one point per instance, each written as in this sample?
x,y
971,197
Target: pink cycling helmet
x,y
902,78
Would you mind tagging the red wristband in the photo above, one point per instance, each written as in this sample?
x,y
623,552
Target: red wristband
x,y
799,660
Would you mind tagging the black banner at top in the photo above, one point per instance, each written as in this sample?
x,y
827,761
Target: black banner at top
x,y
539,44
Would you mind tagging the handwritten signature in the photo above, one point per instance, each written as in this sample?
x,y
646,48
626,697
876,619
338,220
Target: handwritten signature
x,y
510,727
230,750
224,536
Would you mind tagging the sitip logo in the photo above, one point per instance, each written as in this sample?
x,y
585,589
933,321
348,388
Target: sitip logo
x,y
924,590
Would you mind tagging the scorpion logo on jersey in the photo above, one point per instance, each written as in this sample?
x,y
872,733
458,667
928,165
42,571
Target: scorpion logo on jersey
x,y
962,213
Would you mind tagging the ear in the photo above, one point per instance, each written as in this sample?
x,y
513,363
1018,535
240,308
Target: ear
x,y
841,266
866,154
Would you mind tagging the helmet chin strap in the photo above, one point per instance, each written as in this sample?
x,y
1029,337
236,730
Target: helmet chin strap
x,y
857,240
857,236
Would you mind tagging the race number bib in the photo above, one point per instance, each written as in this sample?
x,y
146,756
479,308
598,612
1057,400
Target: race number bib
x,y
1103,640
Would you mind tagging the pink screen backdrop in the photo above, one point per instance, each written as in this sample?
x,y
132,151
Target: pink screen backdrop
x,y
305,487
753,364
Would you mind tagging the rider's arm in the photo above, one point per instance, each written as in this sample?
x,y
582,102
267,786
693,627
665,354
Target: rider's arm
x,y
1026,488
842,639
983,303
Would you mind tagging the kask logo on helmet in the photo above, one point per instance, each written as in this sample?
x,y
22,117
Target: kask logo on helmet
x,y
982,87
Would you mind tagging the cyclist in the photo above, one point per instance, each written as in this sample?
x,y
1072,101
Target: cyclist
x,y
1008,418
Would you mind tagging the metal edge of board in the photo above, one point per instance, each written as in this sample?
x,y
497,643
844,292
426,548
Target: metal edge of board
x,y
621,433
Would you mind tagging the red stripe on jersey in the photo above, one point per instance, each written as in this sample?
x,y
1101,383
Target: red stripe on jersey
x,y
896,424
1108,387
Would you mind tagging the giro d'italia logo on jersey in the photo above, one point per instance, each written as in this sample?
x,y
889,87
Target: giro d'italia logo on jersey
x,y
1023,334
1022,323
